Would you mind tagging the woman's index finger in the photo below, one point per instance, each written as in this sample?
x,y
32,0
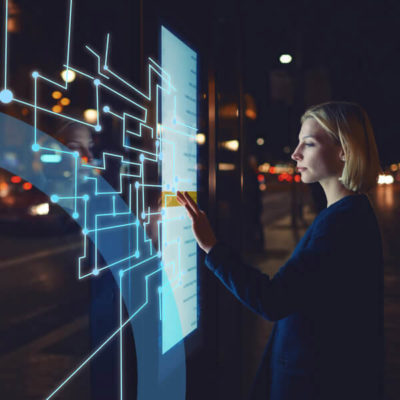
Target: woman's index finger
x,y
191,202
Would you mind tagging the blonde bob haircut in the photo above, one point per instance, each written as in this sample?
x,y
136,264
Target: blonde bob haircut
x,y
348,124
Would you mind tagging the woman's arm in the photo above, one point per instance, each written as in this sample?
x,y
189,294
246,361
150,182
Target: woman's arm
x,y
294,288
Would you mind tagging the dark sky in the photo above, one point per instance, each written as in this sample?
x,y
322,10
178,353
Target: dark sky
x,y
357,43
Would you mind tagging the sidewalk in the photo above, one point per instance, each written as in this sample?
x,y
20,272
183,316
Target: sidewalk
x,y
280,241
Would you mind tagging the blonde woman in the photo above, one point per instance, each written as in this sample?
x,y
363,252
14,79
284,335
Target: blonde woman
x,y
327,299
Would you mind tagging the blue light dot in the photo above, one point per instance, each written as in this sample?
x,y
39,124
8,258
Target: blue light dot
x,y
167,186
137,222
141,157
106,109
97,128
163,211
85,197
121,273
159,256
96,272
35,147
157,143
136,185
105,67
137,254
76,154
143,215
54,198
75,215
35,74
6,96
159,289
160,156
85,231
96,82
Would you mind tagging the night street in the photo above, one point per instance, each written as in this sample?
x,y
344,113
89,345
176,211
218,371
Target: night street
x,y
44,308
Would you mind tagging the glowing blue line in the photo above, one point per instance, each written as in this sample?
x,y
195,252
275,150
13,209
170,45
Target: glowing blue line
x,y
52,82
146,185
80,72
120,339
54,113
76,182
69,42
35,112
158,66
113,198
106,228
128,84
160,304
6,45
124,97
71,153
98,61
114,114
178,132
105,342
106,55
97,105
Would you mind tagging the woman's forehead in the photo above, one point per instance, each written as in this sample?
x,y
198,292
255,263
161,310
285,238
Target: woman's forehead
x,y
311,128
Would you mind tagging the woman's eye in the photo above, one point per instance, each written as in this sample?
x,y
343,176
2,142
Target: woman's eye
x,y
309,144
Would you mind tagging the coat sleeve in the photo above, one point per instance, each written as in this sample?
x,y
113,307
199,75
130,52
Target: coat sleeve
x,y
294,287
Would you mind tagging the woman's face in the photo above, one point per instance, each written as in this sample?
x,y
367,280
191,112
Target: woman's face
x,y
317,155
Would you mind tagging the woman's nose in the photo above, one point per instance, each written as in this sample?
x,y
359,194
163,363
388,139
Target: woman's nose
x,y
296,155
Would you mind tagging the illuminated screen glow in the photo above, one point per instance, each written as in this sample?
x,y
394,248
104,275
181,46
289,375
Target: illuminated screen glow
x,y
179,158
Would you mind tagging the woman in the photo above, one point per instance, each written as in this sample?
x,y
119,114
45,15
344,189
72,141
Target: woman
x,y
327,298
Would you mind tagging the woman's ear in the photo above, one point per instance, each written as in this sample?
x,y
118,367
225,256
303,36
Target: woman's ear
x,y
342,155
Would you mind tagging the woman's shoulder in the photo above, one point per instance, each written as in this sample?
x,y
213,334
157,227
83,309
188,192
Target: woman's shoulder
x,y
346,216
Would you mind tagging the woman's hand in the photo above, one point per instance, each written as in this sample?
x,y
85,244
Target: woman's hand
x,y
200,224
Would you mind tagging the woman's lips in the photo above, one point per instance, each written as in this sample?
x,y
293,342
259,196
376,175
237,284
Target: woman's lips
x,y
300,169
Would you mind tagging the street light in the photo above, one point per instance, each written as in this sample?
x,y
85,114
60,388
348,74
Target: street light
x,y
68,75
285,59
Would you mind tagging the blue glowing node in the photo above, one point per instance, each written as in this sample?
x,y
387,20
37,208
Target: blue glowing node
x,y
137,222
160,156
76,154
96,272
54,198
96,82
143,215
105,67
137,185
159,256
106,109
167,186
137,254
75,215
159,289
163,211
141,157
86,197
85,231
35,74
157,143
35,147
97,128
6,96
121,273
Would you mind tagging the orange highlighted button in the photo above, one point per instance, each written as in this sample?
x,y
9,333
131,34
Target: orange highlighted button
x,y
169,199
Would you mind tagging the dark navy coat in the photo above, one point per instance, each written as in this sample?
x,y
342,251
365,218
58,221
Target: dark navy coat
x,y
327,299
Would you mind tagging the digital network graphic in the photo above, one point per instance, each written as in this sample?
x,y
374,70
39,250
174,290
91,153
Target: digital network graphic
x,y
156,128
